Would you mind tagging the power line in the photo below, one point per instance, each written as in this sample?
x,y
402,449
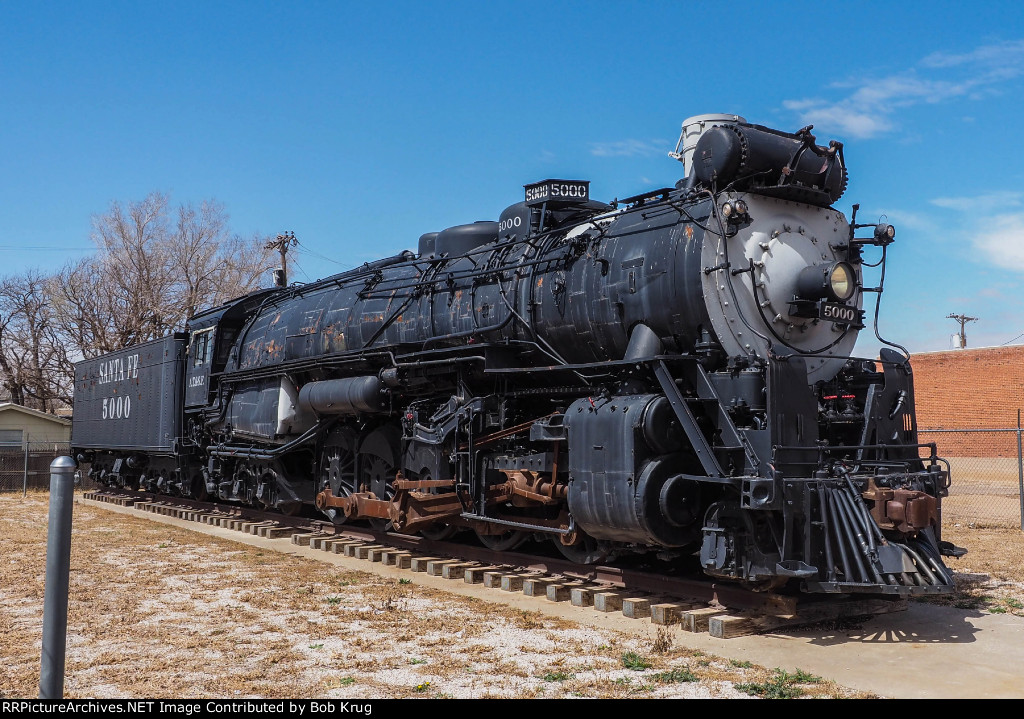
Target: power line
x,y
301,269
305,250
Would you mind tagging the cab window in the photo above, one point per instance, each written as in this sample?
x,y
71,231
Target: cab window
x,y
200,351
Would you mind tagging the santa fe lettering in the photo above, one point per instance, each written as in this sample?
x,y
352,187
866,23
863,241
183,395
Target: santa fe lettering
x,y
119,368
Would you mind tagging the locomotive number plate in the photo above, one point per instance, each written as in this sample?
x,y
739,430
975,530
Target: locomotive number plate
x,y
837,312
563,191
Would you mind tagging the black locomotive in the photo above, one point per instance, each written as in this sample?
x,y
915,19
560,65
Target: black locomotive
x,y
667,373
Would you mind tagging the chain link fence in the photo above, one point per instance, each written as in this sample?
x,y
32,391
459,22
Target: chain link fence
x,y
26,466
987,469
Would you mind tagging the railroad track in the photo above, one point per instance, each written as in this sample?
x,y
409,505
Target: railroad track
x,y
695,604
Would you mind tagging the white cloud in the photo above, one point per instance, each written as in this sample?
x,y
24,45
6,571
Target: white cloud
x,y
999,55
629,148
840,117
870,104
981,203
1001,240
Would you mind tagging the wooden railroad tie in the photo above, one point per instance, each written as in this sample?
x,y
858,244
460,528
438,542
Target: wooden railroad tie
x,y
608,601
456,570
396,558
475,575
537,586
562,591
419,564
636,607
302,539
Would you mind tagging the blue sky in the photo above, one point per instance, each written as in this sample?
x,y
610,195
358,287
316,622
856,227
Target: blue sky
x,y
360,126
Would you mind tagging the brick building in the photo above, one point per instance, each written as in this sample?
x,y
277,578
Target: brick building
x,y
970,389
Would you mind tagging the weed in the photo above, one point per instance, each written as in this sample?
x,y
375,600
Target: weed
x,y
632,660
403,580
392,602
802,677
675,676
346,681
558,676
997,610
740,665
772,689
163,545
663,641
624,681
416,660
316,646
780,686
423,687
1014,603
334,600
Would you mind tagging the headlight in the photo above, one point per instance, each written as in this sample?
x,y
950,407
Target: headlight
x,y
836,282
734,208
842,281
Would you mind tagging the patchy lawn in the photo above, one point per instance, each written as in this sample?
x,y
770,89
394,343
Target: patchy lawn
x,y
160,612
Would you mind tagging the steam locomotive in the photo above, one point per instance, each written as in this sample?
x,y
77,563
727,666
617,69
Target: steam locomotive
x,y
668,373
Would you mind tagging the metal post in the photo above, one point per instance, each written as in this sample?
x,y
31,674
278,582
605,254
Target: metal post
x,y
58,568
1020,473
24,481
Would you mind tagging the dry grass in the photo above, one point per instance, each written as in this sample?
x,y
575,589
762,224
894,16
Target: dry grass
x,y
991,575
160,612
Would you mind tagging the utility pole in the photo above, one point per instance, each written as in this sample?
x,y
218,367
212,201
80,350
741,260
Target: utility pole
x,y
963,320
281,244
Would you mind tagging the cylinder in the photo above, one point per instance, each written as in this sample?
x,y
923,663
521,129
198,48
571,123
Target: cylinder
x,y
351,395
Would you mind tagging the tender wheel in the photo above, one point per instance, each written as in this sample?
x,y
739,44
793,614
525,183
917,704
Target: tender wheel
x,y
338,468
504,542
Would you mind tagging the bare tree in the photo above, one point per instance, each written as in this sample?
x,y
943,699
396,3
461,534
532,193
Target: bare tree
x,y
34,367
156,267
